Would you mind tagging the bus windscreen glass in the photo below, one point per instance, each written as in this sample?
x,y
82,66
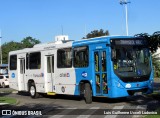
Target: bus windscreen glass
x,y
132,59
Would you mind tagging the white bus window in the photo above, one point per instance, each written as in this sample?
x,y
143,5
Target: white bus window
x,y
64,58
13,62
50,64
35,60
27,58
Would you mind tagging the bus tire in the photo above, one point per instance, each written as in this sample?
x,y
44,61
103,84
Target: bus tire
x,y
3,85
88,93
33,92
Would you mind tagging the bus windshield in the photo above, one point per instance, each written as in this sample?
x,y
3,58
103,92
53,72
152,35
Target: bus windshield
x,y
131,61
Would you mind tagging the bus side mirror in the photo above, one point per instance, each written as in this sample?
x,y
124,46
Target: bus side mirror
x,y
113,54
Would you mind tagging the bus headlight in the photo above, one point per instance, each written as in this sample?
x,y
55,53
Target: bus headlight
x,y
128,86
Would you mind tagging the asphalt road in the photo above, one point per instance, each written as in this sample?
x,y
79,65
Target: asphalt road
x,y
62,106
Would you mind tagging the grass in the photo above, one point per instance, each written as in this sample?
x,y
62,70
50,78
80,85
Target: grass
x,y
155,95
8,100
154,116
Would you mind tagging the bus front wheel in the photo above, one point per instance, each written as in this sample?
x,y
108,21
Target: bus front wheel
x,y
32,91
88,93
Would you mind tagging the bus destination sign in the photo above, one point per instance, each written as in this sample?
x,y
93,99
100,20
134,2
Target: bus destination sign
x,y
129,42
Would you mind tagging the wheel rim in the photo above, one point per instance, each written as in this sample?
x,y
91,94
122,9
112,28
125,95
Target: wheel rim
x,y
32,91
3,85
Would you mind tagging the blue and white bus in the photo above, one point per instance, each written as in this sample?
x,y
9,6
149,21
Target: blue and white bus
x,y
109,66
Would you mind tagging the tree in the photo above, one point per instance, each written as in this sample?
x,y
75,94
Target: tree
x,y
96,33
156,63
153,40
153,44
7,47
27,42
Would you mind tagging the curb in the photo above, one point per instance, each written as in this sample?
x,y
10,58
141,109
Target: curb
x,y
14,91
8,91
4,104
17,102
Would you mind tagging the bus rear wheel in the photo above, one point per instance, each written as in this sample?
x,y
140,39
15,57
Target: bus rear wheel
x,y
3,85
88,93
33,92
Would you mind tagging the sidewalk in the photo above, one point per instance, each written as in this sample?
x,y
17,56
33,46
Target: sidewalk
x,y
4,104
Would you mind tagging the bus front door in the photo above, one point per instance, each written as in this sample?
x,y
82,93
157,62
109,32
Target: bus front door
x,y
100,72
22,74
50,73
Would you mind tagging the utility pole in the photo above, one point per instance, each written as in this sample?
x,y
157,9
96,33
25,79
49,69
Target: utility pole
x,y
0,50
124,2
62,29
85,31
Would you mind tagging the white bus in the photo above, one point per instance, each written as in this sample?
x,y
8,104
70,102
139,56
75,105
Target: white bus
x,y
113,66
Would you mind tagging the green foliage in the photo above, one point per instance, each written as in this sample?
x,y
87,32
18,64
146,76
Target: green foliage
x,y
7,47
27,42
154,43
96,33
153,40
156,64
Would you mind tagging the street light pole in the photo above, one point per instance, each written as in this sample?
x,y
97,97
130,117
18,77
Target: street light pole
x,y
124,2
1,47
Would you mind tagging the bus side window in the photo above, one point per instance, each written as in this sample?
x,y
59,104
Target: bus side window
x,y
13,62
64,58
35,60
27,58
81,57
103,56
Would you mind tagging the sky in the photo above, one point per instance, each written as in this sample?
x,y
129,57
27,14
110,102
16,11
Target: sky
x,y
45,19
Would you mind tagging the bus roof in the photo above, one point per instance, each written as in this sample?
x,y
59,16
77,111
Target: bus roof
x,y
68,43
98,40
